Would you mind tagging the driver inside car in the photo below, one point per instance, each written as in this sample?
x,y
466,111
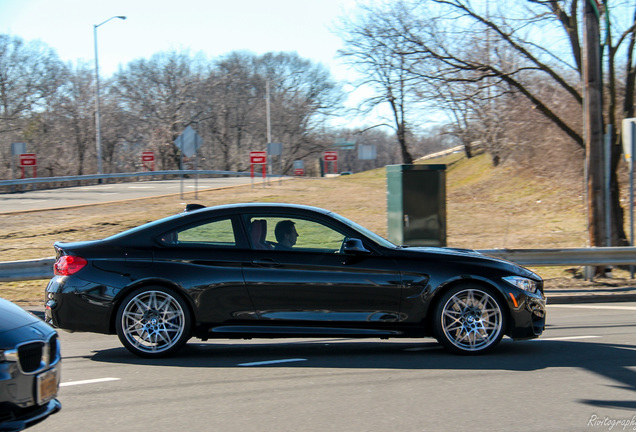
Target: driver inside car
x,y
286,235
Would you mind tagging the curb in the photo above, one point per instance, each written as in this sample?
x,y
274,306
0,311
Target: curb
x,y
590,298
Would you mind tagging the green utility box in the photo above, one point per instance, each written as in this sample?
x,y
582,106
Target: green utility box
x,y
416,203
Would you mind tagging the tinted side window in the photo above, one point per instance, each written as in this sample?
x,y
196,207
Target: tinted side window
x,y
266,232
317,236
215,233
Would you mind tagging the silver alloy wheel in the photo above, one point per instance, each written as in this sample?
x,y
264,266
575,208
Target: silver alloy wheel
x,y
471,320
153,322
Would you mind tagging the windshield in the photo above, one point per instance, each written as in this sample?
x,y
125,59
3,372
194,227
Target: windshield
x,y
368,233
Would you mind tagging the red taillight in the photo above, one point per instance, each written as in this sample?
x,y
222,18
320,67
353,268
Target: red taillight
x,y
67,265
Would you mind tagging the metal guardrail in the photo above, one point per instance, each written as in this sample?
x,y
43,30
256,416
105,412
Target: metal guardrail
x,y
26,270
592,256
43,268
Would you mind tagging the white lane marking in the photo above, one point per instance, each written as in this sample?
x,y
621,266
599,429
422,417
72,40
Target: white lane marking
x,y
628,308
141,187
272,362
90,381
565,338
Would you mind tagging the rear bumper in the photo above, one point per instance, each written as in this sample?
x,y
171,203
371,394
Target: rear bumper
x,y
76,305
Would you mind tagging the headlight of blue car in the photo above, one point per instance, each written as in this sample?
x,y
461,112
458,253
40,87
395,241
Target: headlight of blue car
x,y
8,355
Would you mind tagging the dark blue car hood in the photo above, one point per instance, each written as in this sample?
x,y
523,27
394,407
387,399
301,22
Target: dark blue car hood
x,y
13,316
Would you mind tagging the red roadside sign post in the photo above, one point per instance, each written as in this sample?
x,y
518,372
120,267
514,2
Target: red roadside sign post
x,y
331,156
148,156
258,158
299,167
29,160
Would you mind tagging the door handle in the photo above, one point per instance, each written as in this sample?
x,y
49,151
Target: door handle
x,y
266,262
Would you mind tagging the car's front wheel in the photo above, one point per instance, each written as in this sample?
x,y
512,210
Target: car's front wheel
x,y
153,322
469,320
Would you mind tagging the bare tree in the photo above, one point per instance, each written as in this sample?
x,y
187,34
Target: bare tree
x,y
30,72
371,48
159,97
73,108
233,111
302,97
527,41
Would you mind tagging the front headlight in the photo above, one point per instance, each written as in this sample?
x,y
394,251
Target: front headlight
x,y
522,283
8,355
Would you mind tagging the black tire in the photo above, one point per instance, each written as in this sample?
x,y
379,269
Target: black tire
x,y
153,322
469,319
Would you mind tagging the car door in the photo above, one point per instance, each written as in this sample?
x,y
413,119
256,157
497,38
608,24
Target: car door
x,y
313,282
208,257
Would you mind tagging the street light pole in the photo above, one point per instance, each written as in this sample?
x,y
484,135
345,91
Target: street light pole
x,y
269,128
269,124
98,126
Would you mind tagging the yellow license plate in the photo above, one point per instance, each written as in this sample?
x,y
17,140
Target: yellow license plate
x,y
47,385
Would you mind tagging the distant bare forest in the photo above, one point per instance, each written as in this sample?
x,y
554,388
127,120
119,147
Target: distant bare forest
x,y
50,106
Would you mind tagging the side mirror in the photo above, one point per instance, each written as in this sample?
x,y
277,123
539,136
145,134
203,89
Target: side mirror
x,y
354,246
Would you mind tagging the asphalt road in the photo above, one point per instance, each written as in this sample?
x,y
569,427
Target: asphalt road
x,y
579,376
72,196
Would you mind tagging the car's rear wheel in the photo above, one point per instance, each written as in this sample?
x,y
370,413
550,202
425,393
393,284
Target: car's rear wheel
x,y
469,319
153,322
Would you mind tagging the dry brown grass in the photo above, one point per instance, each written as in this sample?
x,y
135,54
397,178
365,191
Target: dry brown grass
x,y
503,208
487,208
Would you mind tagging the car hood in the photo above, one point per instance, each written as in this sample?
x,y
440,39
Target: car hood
x,y
13,316
471,255
457,252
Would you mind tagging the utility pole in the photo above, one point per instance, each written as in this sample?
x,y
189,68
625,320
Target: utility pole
x,y
593,120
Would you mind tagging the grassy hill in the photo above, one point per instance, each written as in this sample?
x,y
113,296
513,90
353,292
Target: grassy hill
x,y
505,207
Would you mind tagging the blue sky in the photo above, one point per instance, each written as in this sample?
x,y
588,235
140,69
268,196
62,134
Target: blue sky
x,y
214,27
211,27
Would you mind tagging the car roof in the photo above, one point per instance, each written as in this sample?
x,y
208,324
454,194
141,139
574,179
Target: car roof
x,y
261,206
156,226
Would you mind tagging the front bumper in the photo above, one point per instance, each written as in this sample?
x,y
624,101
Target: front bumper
x,y
22,418
528,312
27,398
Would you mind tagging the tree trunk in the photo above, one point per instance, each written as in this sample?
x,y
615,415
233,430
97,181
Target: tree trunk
x,y
593,119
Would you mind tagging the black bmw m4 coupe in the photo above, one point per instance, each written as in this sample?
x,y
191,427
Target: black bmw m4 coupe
x,y
282,270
